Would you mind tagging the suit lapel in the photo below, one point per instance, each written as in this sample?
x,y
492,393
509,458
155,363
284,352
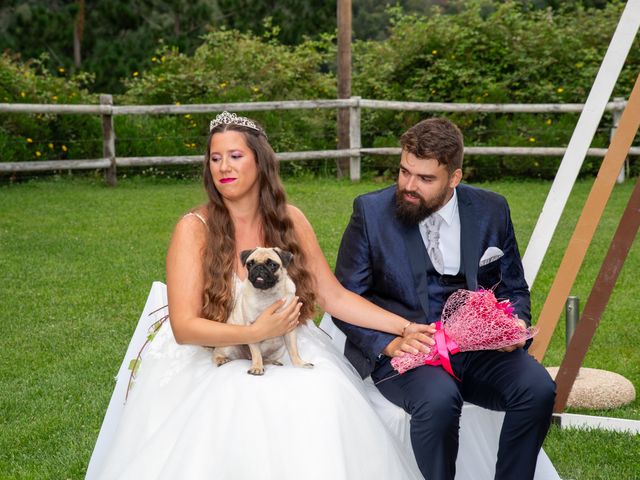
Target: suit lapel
x,y
469,228
418,260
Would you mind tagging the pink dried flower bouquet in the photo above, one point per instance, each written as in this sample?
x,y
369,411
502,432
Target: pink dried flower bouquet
x,y
470,321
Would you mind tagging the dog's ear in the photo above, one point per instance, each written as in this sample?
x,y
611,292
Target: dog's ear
x,y
245,254
284,256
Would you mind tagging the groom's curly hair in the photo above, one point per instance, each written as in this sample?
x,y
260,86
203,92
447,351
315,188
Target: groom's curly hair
x,y
277,231
435,138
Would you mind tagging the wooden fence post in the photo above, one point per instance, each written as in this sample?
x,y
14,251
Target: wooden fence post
x,y
616,113
355,139
344,81
109,142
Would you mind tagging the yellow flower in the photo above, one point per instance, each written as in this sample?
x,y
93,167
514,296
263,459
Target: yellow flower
x,y
223,85
434,52
64,148
560,90
532,139
29,140
579,65
188,115
135,74
51,146
163,58
255,89
38,153
54,98
178,104
22,94
548,122
154,59
433,90
61,69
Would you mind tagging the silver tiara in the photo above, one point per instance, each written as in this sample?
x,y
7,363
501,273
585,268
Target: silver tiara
x,y
226,118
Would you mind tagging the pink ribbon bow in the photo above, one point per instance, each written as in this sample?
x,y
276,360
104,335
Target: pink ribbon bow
x,y
439,355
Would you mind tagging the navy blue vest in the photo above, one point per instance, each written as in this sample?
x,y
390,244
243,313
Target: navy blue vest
x,y
439,287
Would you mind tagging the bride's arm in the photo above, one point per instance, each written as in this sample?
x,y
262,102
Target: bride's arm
x,y
185,286
337,300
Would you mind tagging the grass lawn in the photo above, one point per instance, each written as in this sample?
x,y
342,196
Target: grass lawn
x,y
77,260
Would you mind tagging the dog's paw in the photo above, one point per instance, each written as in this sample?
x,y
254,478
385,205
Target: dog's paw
x,y
256,371
304,365
219,361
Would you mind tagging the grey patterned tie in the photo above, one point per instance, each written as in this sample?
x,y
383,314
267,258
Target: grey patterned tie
x,y
433,242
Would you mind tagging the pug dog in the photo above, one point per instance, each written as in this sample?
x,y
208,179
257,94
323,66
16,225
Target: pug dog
x,y
267,281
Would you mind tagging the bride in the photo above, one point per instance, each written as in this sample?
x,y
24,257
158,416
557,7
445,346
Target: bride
x,y
187,418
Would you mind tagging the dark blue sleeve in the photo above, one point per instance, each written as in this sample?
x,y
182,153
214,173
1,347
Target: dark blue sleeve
x,y
354,272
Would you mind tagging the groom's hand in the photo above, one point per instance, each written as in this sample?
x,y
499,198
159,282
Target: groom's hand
x,y
411,343
511,348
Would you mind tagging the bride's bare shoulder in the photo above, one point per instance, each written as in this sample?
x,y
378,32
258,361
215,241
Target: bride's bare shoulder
x,y
296,214
300,223
191,227
197,216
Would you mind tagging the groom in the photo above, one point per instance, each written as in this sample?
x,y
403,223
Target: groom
x,y
407,248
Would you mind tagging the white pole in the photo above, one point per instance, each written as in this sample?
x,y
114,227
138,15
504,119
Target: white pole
x,y
581,139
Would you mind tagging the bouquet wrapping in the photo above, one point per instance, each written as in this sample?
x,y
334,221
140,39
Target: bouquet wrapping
x,y
470,321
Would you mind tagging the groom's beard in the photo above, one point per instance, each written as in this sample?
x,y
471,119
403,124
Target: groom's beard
x,y
413,213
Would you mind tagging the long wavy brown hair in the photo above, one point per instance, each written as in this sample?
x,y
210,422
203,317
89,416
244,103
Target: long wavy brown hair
x,y
277,228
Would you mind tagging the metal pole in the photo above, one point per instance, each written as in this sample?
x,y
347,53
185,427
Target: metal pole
x,y
572,310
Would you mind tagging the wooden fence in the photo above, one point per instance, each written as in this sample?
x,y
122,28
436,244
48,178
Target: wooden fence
x,y
110,161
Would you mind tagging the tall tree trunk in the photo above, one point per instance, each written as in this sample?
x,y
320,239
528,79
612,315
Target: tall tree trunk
x,y
78,32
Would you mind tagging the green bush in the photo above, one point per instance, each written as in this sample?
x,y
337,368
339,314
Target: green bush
x,y
228,67
492,52
32,137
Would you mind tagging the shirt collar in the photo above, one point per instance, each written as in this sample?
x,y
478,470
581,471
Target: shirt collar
x,y
448,210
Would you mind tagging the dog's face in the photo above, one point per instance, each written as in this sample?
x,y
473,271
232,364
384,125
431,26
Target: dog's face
x,y
265,266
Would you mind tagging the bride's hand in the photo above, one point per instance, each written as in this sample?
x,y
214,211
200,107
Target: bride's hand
x,y
429,330
413,343
272,323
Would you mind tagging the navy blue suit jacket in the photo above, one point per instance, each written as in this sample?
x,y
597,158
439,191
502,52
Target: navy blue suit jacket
x,y
385,262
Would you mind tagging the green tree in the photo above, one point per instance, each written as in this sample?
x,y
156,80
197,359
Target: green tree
x,y
114,36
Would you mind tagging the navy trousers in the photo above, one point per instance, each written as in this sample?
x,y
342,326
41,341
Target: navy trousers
x,y
512,382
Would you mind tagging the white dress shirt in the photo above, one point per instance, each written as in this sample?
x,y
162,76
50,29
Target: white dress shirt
x,y
449,235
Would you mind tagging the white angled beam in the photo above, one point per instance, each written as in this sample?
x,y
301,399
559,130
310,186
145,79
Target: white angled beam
x,y
581,139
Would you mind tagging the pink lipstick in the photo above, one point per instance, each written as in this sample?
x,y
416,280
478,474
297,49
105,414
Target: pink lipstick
x,y
227,180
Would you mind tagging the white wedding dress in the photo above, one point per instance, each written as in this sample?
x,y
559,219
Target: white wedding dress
x,y
187,418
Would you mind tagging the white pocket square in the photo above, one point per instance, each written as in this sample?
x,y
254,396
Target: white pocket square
x,y
491,254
